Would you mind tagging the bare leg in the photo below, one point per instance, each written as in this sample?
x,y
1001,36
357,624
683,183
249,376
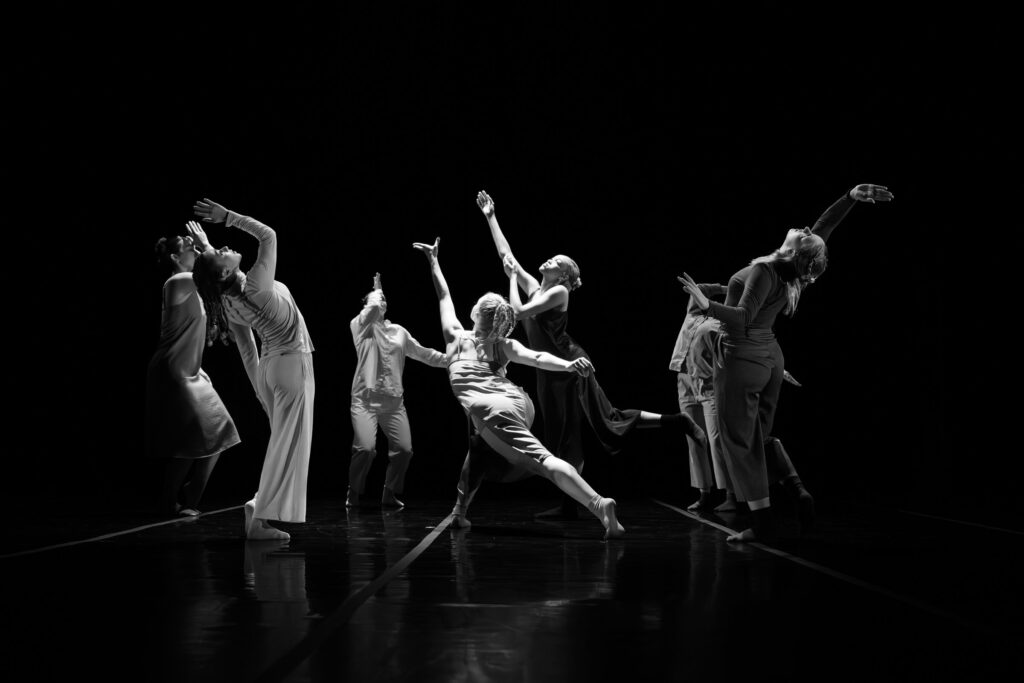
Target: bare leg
x,y
196,484
569,480
174,475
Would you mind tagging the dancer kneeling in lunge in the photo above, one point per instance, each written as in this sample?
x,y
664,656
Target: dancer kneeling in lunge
x,y
500,410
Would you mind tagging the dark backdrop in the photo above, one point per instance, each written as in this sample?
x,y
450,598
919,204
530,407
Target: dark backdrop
x,y
641,143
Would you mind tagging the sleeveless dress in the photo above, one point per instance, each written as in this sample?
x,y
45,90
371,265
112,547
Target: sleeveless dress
x,y
501,411
185,417
567,400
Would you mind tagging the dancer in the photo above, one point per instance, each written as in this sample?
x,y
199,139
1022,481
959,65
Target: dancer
x,y
282,372
567,401
500,410
693,364
186,422
377,391
747,384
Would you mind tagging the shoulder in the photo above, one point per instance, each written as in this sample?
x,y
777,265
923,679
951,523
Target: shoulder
x,y
179,284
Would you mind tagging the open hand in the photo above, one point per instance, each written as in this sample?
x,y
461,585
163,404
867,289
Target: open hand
x,y
486,204
198,236
694,290
376,281
210,211
869,193
429,250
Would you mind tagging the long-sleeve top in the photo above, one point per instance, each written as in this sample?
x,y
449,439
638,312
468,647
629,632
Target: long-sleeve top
x,y
263,304
757,293
381,349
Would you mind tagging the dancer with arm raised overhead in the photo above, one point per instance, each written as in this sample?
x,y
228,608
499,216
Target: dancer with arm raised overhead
x,y
281,373
500,410
568,402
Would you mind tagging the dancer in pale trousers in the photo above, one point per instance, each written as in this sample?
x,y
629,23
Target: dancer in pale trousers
x,y
281,373
378,396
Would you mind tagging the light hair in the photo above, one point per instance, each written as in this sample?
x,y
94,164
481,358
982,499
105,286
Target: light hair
x,y
809,262
494,315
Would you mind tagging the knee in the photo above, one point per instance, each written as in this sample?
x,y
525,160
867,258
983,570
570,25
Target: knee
x,y
361,452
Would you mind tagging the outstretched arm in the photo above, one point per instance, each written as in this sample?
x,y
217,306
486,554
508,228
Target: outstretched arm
x,y
450,324
486,204
261,275
834,214
517,353
541,301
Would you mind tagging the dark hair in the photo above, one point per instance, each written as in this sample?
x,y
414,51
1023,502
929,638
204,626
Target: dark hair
x,y
165,247
210,287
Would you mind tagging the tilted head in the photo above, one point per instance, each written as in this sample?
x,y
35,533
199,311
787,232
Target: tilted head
x,y
809,253
493,315
214,272
562,270
177,252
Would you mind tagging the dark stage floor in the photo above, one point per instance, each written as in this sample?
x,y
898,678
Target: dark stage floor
x,y
376,595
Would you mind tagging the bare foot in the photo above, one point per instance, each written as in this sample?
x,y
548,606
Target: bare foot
x,y
460,522
262,531
352,499
606,513
702,504
728,505
188,512
388,499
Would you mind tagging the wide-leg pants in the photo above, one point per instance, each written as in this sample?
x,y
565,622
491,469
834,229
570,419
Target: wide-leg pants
x,y
286,389
747,390
369,412
704,412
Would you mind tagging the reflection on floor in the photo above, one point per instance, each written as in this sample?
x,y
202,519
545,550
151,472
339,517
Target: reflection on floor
x,y
867,597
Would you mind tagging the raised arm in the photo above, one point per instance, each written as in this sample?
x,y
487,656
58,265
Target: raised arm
x,y
834,214
262,273
486,204
541,301
517,353
372,310
450,324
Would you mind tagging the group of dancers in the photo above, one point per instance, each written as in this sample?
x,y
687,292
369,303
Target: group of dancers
x,y
730,370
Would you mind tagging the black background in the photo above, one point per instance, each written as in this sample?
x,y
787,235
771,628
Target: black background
x,y
642,143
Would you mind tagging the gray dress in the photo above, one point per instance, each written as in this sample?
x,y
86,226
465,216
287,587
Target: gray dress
x,y
185,417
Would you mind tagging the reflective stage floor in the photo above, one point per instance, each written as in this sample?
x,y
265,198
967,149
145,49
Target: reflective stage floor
x,y
374,595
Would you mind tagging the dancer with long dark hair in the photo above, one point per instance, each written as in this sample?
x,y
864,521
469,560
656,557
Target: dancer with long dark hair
x,y
281,372
186,422
500,410
568,401
750,375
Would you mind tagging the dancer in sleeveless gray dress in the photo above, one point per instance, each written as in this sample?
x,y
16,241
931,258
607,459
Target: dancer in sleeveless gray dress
x,y
500,410
186,422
